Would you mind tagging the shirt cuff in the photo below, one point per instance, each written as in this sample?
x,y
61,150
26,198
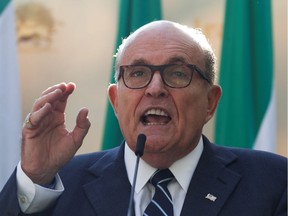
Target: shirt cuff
x,y
32,197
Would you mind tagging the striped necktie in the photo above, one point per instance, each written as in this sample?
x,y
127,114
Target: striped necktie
x,y
161,203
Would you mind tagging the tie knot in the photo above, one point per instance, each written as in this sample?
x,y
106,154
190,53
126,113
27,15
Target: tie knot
x,y
162,177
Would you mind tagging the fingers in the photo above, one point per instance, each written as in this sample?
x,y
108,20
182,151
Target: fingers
x,y
36,117
62,86
46,143
70,87
54,97
81,128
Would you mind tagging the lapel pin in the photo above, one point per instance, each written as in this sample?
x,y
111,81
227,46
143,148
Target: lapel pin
x,y
211,197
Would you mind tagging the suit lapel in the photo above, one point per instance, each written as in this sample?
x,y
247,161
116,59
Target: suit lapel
x,y
219,182
109,192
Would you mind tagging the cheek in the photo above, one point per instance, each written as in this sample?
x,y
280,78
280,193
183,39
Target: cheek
x,y
127,105
192,111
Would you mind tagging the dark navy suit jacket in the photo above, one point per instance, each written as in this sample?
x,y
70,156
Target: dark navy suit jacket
x,y
241,183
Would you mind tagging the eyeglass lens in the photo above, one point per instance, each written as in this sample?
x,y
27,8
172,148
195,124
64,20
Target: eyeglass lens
x,y
139,76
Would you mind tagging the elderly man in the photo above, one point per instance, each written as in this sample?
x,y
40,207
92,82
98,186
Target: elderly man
x,y
164,89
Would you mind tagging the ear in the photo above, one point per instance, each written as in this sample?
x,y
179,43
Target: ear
x,y
113,96
214,95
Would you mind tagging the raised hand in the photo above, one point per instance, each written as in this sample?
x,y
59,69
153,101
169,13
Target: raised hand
x,y
46,143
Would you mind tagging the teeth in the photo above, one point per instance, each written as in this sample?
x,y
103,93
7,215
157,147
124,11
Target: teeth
x,y
153,123
149,120
156,112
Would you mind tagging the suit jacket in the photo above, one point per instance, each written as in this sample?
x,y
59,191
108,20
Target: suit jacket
x,y
226,182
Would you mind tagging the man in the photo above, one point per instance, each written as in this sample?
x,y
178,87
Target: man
x,y
164,89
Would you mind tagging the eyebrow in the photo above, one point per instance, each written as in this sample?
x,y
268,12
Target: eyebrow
x,y
176,59
139,61
171,60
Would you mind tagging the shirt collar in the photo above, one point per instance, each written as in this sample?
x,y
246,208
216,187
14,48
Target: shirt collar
x,y
182,169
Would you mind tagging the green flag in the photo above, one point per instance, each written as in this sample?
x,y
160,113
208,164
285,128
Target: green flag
x,y
246,113
10,108
132,15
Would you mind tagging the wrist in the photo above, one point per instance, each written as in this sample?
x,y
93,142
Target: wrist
x,y
50,185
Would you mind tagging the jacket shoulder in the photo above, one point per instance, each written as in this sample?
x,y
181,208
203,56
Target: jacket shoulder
x,y
78,166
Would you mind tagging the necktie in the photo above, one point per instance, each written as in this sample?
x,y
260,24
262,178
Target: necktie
x,y
161,203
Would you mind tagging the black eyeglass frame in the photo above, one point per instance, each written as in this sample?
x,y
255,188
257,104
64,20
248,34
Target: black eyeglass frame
x,y
161,68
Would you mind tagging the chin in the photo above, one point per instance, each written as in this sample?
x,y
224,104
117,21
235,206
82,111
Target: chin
x,y
157,161
155,146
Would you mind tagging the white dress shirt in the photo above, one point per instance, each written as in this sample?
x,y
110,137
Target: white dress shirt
x,y
182,170
35,198
32,197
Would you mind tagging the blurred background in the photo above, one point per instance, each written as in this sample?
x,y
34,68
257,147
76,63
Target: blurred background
x,y
74,41
63,41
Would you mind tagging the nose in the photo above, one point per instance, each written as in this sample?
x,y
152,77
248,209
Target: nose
x,y
156,87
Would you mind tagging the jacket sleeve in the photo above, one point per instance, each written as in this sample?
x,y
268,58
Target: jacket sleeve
x,y
9,204
282,207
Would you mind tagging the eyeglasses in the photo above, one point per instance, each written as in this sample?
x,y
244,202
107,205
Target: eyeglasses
x,y
173,75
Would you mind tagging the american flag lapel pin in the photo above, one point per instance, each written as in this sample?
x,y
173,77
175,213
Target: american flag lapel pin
x,y
211,197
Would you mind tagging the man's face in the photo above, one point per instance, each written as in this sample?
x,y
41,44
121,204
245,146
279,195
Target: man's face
x,y
171,118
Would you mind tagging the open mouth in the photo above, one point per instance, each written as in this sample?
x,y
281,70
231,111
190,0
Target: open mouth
x,y
155,117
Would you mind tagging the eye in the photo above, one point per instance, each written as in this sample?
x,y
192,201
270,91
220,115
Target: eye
x,y
136,73
179,74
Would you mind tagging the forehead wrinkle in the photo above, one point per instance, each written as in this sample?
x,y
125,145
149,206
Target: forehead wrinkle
x,y
188,50
181,51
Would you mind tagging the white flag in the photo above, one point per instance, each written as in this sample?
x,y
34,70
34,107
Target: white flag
x,y
10,109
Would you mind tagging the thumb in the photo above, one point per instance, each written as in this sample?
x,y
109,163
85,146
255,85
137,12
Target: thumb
x,y
81,128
